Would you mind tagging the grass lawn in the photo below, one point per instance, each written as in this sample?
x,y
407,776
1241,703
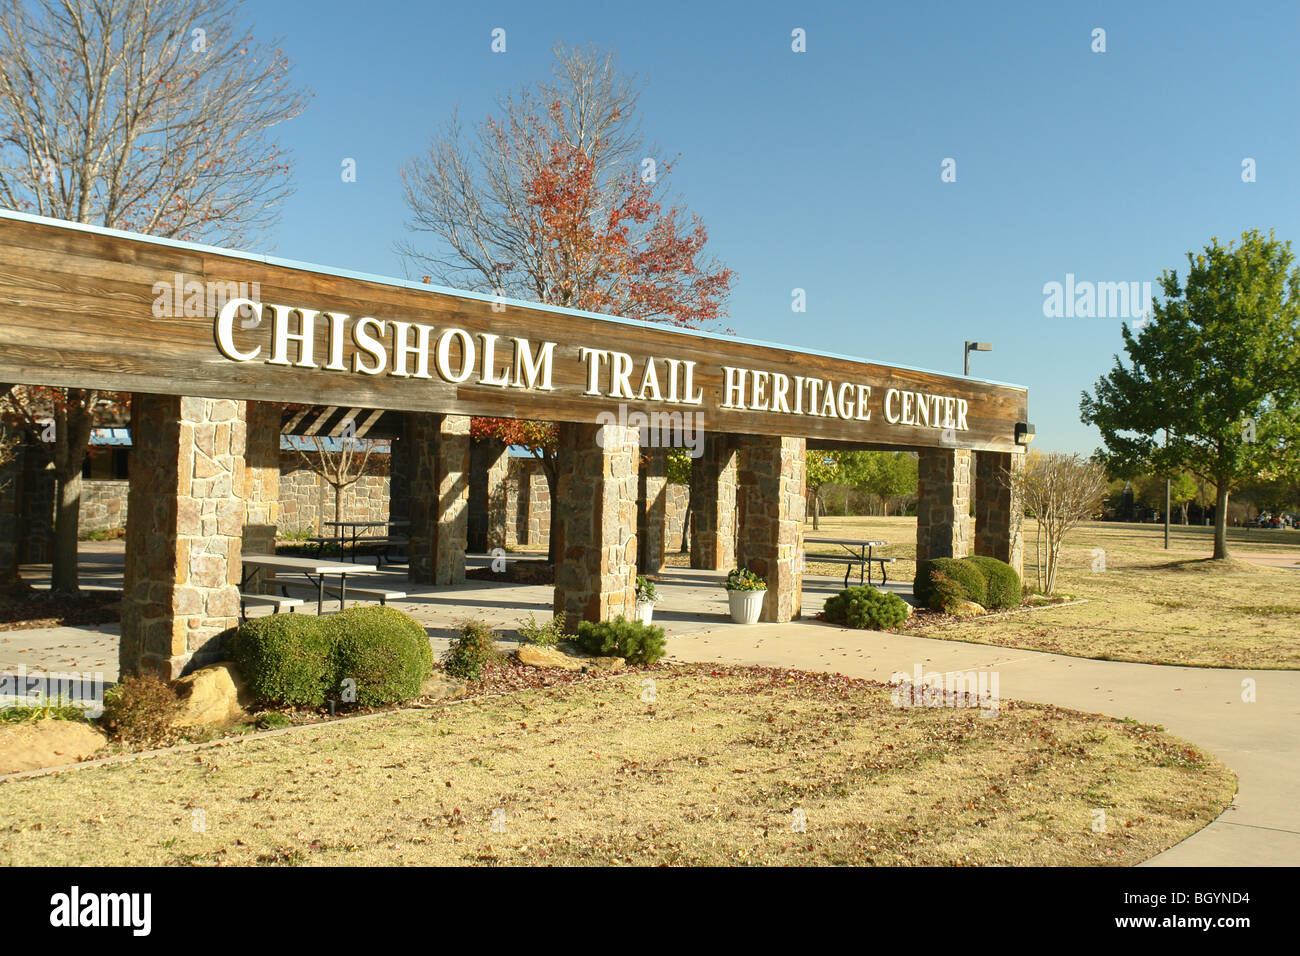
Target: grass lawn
x,y
711,771
1148,605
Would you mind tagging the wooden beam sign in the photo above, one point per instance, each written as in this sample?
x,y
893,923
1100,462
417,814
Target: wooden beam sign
x,y
81,306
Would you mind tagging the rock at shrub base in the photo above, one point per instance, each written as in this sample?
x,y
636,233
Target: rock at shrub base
x,y
47,743
442,686
213,696
535,655
967,609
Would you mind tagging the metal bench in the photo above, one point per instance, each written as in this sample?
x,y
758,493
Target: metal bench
x,y
276,602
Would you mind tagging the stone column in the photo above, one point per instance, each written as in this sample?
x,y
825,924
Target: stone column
x,y
772,506
943,524
713,505
488,462
438,449
652,511
999,514
184,529
261,490
595,574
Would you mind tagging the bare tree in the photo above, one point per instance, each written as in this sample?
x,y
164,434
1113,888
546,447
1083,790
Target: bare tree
x,y
470,190
146,115
341,462
1060,490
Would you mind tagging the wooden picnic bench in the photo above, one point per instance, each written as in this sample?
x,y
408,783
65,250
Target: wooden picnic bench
x,y
859,554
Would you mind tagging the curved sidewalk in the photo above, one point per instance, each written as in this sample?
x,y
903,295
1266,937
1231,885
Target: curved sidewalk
x,y
1259,741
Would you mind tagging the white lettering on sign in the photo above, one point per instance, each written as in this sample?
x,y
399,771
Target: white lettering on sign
x,y
925,410
417,351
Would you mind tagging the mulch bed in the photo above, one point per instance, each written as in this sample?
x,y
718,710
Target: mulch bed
x,y
43,609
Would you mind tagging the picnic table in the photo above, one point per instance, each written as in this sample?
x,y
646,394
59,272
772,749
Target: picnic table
x,y
355,537
314,570
859,552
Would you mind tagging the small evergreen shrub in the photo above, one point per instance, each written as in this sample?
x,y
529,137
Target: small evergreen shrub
x,y
865,607
140,710
383,650
966,578
1003,589
552,632
636,642
286,659
472,652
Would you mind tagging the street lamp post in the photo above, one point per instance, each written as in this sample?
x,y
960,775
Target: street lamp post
x,y
975,347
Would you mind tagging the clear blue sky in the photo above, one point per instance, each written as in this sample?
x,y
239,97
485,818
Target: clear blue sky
x,y
821,170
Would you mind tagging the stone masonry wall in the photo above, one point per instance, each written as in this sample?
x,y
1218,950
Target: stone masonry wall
x,y
183,542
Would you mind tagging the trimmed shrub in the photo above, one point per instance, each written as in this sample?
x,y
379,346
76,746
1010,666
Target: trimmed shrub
x,y
865,607
636,642
286,659
300,660
1003,584
140,710
472,652
965,582
385,651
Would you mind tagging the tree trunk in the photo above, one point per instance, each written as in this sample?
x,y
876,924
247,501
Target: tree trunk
x,y
67,519
686,525
816,500
71,444
1221,520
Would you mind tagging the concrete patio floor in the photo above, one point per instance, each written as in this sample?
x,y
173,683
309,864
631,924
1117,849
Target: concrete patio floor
x,y
692,603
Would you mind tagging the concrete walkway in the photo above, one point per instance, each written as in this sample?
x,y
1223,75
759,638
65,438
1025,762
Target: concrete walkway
x,y
1259,741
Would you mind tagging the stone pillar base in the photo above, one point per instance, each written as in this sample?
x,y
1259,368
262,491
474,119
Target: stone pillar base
x,y
184,530
438,450
595,572
999,512
772,507
943,523
713,505
652,511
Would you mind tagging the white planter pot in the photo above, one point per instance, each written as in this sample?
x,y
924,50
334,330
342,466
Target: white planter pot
x,y
645,611
746,606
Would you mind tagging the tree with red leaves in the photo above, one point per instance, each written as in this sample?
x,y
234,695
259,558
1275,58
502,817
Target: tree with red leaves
x,y
555,200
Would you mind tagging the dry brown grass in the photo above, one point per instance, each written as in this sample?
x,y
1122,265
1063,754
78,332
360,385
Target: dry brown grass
x,y
1149,605
710,772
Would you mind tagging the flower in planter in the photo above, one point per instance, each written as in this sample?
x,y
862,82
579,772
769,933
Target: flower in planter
x,y
645,591
743,579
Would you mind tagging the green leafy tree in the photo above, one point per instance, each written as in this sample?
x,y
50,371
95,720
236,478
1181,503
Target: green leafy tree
x,y
823,468
886,475
1212,382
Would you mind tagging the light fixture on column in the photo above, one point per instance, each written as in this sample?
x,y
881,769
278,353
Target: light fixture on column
x,y
975,347
1024,433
